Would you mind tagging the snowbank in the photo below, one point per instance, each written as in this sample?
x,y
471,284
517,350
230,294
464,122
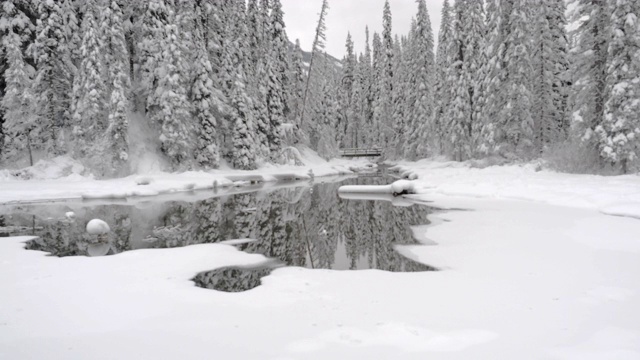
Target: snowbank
x,y
61,167
46,181
615,195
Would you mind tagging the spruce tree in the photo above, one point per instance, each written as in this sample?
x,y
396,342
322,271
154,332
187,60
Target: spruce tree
x,y
204,101
441,89
515,120
550,66
170,108
619,133
387,65
421,79
17,102
52,83
89,89
589,64
119,85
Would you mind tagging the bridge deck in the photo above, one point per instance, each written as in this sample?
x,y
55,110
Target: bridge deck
x,y
360,152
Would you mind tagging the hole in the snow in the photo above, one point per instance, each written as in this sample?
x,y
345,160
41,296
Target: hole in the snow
x,y
232,279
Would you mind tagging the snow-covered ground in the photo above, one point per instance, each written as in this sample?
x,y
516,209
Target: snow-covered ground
x,y
532,267
63,179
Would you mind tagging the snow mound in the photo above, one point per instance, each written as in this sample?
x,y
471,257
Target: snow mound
x,y
61,167
143,180
97,227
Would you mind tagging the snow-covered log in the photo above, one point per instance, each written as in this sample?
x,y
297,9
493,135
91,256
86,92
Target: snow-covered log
x,y
400,187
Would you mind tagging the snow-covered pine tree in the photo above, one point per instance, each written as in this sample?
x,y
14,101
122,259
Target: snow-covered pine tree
x,y
550,66
17,102
343,137
619,133
421,78
167,105
255,39
119,83
152,28
367,83
515,120
278,75
399,98
244,150
475,30
214,20
52,84
387,65
589,64
317,47
459,111
204,100
493,72
89,91
72,31
298,79
378,91
441,90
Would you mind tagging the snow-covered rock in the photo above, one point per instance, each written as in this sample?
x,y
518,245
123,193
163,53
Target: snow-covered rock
x,y
97,227
143,180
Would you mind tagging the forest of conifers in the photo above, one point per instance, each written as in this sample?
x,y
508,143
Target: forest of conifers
x,y
207,81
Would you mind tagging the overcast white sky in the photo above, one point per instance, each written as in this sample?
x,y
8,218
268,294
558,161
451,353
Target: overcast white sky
x,y
345,16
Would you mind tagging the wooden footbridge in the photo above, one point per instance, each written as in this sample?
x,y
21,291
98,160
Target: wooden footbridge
x,y
353,152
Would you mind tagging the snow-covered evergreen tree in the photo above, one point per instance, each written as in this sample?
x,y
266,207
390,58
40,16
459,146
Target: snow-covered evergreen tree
x,y
463,77
89,89
168,105
316,50
493,72
441,99
116,56
52,83
278,75
589,64
386,75
244,146
619,133
421,75
72,31
550,66
17,102
204,101
345,121
298,81
379,124
153,26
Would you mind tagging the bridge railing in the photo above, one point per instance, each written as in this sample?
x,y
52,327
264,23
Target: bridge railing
x,y
361,152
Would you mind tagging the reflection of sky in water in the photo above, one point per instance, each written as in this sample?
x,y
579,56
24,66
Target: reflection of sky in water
x,y
301,226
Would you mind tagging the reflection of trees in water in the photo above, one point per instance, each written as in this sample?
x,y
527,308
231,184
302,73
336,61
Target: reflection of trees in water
x,y
298,226
67,237
231,279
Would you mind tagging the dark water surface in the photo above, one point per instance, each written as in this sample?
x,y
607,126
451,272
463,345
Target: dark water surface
x,y
305,225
